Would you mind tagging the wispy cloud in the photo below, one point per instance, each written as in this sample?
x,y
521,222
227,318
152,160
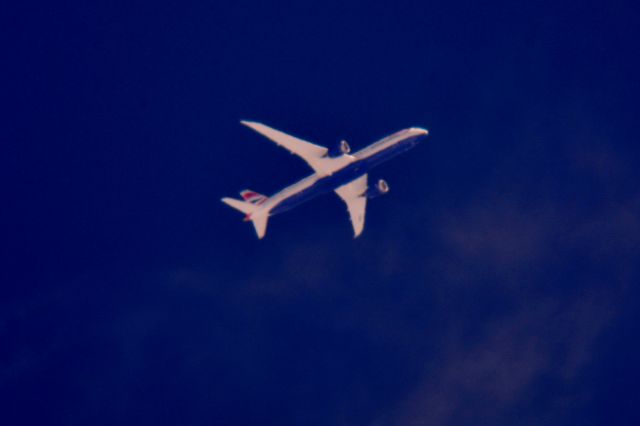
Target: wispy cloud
x,y
466,320
486,380
546,324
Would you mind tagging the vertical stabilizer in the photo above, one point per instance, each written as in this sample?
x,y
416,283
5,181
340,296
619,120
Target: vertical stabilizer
x,y
253,197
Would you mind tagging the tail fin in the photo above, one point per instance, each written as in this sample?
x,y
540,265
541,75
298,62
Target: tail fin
x,y
248,208
253,197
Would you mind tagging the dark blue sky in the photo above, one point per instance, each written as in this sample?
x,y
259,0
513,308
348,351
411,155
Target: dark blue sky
x,y
496,284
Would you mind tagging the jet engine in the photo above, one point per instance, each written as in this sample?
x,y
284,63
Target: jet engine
x,y
340,149
380,188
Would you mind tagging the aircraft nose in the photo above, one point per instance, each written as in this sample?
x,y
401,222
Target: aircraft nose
x,y
418,131
420,134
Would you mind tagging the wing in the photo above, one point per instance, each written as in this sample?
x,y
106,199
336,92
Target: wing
x,y
311,153
353,193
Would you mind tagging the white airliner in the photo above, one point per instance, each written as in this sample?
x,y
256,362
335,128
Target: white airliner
x,y
334,170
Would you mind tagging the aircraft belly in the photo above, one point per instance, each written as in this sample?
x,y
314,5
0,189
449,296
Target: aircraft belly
x,y
390,152
322,186
347,174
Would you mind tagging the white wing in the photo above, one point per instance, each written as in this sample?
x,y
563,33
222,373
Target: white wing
x,y
309,152
353,193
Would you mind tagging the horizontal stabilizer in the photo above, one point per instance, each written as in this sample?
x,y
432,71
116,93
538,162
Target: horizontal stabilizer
x,y
248,208
260,225
243,206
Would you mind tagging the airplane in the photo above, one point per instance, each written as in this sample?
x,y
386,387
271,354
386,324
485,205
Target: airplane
x,y
334,169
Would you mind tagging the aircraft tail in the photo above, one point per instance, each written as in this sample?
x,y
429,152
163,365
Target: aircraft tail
x,y
249,208
253,197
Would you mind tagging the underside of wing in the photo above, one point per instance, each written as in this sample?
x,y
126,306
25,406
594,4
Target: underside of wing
x,y
354,195
311,153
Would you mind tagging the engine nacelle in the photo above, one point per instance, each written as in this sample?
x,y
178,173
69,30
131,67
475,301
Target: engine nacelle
x,y
340,149
380,188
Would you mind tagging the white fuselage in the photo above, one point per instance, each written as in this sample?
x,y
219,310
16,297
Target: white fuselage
x,y
344,169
